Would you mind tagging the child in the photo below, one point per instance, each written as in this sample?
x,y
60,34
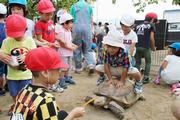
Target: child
x,y
19,7
3,12
64,38
116,61
169,70
44,28
130,37
34,101
16,46
146,42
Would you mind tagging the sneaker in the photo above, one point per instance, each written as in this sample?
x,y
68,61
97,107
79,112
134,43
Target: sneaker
x,y
91,69
146,80
100,80
68,79
157,80
138,87
57,88
10,111
78,71
62,83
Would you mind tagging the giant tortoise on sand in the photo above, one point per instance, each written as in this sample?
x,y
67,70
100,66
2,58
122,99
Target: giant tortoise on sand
x,y
108,96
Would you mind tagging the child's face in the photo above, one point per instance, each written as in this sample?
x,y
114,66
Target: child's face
x,y
169,51
112,50
53,76
126,29
19,38
69,26
46,16
17,10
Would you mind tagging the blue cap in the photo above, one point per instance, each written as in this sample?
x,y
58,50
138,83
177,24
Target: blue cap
x,y
175,45
93,46
22,2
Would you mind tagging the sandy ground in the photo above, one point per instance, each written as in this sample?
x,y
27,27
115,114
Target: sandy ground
x,y
156,106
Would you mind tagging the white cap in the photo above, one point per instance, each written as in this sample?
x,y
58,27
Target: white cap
x,y
60,12
114,38
65,17
127,20
3,9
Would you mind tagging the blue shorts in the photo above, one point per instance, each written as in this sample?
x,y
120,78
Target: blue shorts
x,y
2,67
16,85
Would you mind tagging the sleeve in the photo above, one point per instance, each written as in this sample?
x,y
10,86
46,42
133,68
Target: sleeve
x,y
105,56
135,39
5,47
167,58
47,109
38,28
33,44
126,61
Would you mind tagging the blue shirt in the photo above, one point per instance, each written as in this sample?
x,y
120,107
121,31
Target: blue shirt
x,y
2,33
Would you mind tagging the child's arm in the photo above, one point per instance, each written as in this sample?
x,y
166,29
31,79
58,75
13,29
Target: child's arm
x,y
107,71
5,57
152,41
132,47
75,113
40,41
164,64
123,77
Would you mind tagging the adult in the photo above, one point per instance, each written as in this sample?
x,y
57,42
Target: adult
x,y
146,42
82,34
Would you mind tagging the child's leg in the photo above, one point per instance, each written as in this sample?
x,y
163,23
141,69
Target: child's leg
x,y
100,71
158,77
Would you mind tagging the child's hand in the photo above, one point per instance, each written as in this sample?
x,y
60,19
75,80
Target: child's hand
x,y
20,59
5,58
119,84
77,112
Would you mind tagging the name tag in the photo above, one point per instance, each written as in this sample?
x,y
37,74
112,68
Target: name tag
x,y
17,116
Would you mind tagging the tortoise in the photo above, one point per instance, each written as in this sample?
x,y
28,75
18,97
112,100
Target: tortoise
x,y
108,96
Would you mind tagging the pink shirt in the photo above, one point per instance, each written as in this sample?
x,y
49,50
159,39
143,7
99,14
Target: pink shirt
x,y
65,35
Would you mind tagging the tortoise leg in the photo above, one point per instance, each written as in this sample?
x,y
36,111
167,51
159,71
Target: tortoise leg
x,y
116,109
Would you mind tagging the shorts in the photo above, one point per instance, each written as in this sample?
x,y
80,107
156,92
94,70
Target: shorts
x,y
115,71
2,67
67,60
16,85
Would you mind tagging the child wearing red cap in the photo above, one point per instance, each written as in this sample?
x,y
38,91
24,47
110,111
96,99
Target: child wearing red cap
x,y
44,28
34,101
17,45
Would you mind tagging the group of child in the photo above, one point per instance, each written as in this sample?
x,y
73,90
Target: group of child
x,y
33,71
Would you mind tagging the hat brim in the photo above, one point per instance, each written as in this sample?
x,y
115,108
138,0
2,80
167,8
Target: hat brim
x,y
48,10
106,41
15,34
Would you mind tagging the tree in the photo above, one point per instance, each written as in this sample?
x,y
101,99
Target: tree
x,y
141,4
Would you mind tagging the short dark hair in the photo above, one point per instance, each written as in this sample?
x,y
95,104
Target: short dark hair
x,y
68,21
2,16
19,5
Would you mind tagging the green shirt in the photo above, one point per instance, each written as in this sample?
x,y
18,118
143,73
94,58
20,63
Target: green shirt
x,y
9,45
81,4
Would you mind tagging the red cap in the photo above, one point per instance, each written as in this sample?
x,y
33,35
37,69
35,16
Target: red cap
x,y
45,6
43,58
151,15
15,26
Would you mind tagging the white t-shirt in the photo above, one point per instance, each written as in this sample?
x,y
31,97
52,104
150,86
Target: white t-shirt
x,y
171,74
30,27
129,39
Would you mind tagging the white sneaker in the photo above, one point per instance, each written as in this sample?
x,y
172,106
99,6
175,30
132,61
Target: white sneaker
x,y
56,88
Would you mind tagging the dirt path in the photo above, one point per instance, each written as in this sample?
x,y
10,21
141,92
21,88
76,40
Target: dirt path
x,y
156,106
